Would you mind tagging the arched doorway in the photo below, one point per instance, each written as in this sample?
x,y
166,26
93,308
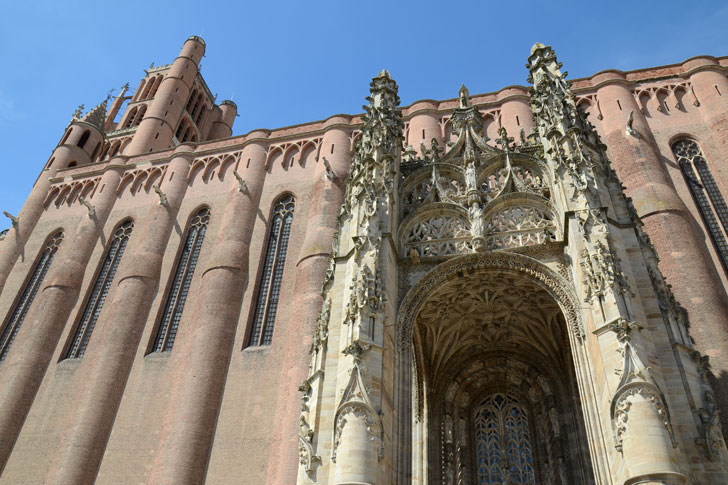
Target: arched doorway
x,y
494,388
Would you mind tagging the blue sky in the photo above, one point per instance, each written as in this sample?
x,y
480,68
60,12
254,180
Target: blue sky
x,y
292,62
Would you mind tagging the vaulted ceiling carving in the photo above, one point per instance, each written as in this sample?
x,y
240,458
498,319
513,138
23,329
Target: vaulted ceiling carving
x,y
469,317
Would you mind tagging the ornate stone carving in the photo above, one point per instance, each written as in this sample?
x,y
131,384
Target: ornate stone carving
x,y
438,236
519,225
635,381
321,332
355,404
306,455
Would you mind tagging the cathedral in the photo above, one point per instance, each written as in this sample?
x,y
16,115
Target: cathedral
x,y
528,286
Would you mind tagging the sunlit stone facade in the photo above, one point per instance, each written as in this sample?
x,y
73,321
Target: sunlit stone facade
x,y
464,291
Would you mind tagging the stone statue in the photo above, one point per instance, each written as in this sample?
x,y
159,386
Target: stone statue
x,y
471,179
476,220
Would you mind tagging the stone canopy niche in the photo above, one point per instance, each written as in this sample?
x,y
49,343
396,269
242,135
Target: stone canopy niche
x,y
495,389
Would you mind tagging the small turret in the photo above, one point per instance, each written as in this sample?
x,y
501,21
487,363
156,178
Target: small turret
x,y
83,138
222,127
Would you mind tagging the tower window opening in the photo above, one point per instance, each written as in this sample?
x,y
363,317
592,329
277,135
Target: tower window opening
x,y
84,138
100,291
28,295
269,286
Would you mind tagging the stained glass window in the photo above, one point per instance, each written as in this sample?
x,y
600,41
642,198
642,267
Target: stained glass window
x,y
26,298
181,283
100,291
705,192
503,445
269,288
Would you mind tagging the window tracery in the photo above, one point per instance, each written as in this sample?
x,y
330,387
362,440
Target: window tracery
x,y
503,443
269,288
100,291
181,284
31,289
705,192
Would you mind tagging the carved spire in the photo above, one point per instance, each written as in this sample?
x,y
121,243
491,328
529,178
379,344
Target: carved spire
x,y
96,117
467,124
464,96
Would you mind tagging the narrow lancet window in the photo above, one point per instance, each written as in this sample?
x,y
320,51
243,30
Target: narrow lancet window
x,y
26,298
705,192
502,442
269,288
181,283
100,291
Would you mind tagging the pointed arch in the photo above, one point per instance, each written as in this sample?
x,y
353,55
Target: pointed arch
x,y
271,279
706,193
181,281
99,290
25,300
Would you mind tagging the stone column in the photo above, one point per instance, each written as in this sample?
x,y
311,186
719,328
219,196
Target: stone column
x,y
710,86
515,111
424,121
325,203
109,358
201,365
646,443
26,364
671,227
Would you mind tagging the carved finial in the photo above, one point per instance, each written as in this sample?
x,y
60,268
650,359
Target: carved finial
x,y
242,186
91,210
414,255
464,96
79,110
151,66
628,129
162,196
110,94
329,172
13,219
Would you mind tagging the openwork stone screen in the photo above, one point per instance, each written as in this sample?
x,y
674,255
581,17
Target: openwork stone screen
x,y
182,280
26,299
503,445
705,192
100,291
270,283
